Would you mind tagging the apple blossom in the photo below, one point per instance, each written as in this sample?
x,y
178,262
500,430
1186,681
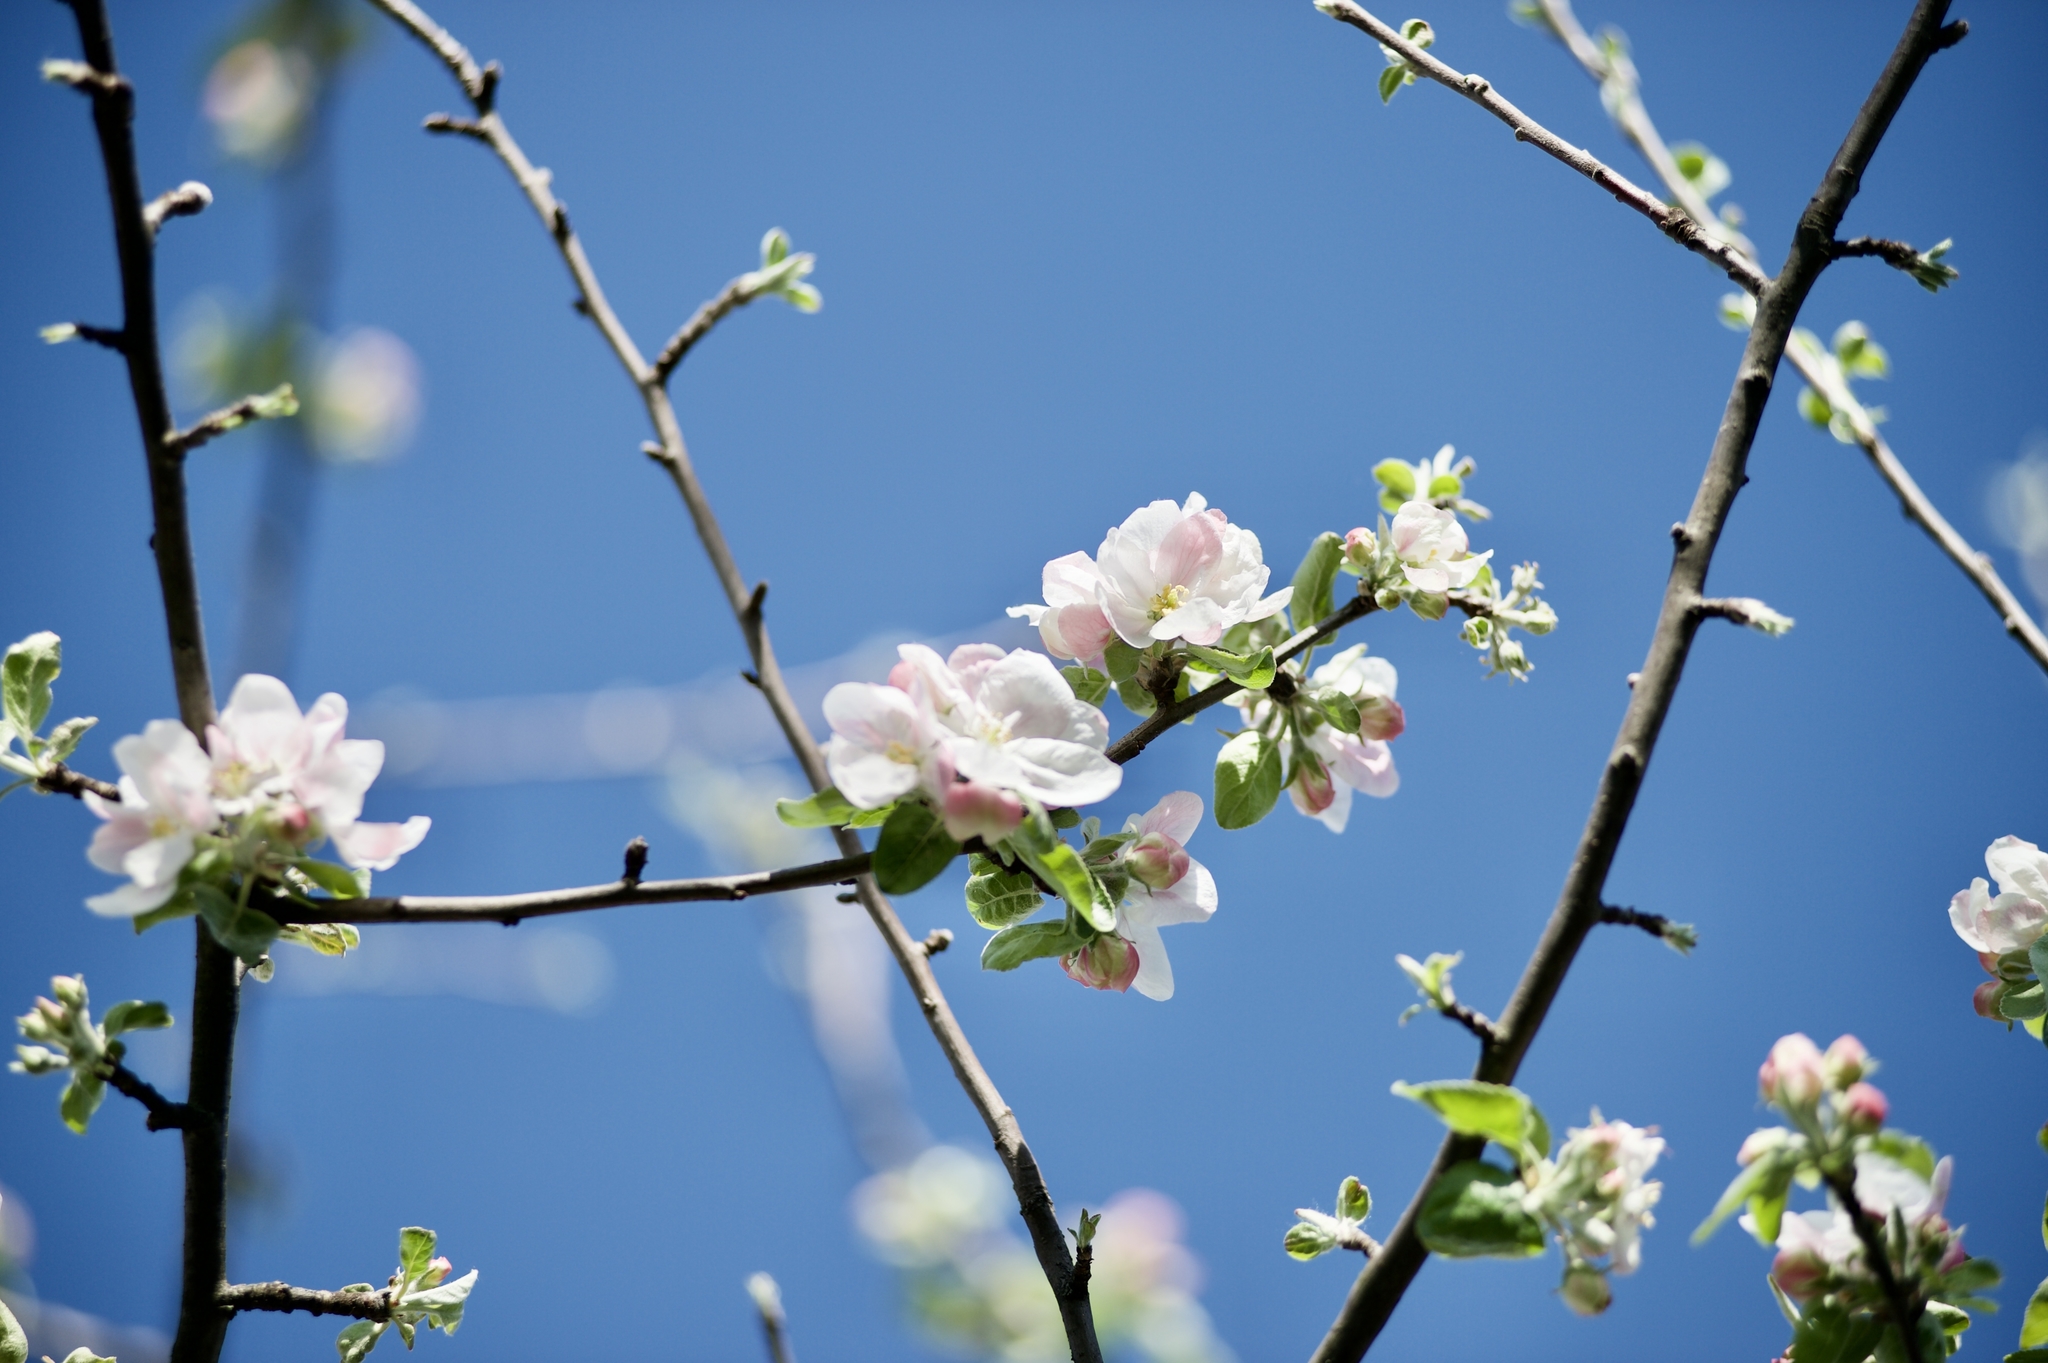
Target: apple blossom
x,y
1435,555
150,834
1189,897
1172,572
2017,916
1596,1194
1071,622
1792,1076
1360,761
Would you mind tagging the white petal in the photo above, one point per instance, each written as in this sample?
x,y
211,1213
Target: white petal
x,y
866,778
1155,973
1050,770
158,861
1339,811
1177,816
2018,867
378,846
1967,909
1191,899
130,900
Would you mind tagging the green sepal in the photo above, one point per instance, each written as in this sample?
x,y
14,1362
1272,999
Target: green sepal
x,y
133,1015
1473,1213
1314,579
913,849
338,881
1120,660
1254,672
1248,772
25,677
1089,686
1013,946
997,898
245,931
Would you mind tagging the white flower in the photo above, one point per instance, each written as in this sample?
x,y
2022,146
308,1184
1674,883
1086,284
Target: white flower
x,y
1007,721
1188,898
1182,572
1435,555
165,803
1360,761
1597,1192
1071,622
300,775
2017,916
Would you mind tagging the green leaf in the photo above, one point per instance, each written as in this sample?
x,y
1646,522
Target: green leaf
x,y
2020,1004
1064,818
1014,946
81,1098
13,1343
25,677
329,939
1314,578
1061,867
356,1341
1304,1241
1136,699
1089,686
1338,708
827,809
914,848
415,1251
133,1015
245,931
1121,660
1253,671
64,738
1473,1107
2034,1325
1908,1151
1247,780
179,905
338,881
1471,1212
1445,485
1391,80
1952,1320
1354,1200
1767,1209
997,898
2028,1356
1815,408
1826,1333
1739,1191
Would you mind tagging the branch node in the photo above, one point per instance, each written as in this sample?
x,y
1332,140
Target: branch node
x,y
654,452
485,95
751,615
848,897
1951,34
186,201
935,941
752,679
1680,535
560,225
446,123
636,861
61,780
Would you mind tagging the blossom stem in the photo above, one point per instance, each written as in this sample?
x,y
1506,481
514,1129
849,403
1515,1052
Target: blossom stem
x,y
1976,566
1380,1287
1034,1201
163,1114
1906,1307
284,1297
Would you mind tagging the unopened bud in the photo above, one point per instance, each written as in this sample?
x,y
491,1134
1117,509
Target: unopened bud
x,y
1798,1272
1360,549
1585,1290
977,811
1314,791
1380,717
1792,1076
1156,860
1760,1143
1984,998
1864,1107
1846,1061
1108,962
69,989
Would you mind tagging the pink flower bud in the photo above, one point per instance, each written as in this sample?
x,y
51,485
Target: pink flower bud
x,y
1380,717
1314,791
1360,548
1953,1257
978,811
1156,860
1585,1290
1864,1107
437,1269
1846,1061
1798,1272
1984,998
1105,963
1792,1076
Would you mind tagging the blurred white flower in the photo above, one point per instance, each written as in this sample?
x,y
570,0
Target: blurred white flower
x,y
364,397
2018,506
256,97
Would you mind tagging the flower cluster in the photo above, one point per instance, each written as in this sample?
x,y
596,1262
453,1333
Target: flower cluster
x,y
199,830
1596,1198
1888,1181
1330,726
2006,931
68,1039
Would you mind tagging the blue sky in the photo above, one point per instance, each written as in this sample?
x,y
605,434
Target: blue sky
x,y
1074,258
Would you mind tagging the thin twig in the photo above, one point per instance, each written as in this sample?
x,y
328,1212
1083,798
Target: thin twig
x,y
1652,923
512,908
61,780
284,1297
1906,1307
202,1326
1033,1199
1896,254
1379,1288
162,1113
694,330
2024,629
1476,1023
186,201
255,407
1672,222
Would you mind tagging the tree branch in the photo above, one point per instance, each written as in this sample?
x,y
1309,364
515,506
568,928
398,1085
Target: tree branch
x,y
694,330
1386,1277
1906,1307
512,908
61,780
280,401
1672,222
284,1297
163,1114
202,1326
1034,1201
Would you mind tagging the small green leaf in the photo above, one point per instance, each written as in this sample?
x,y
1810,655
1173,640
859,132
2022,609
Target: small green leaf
x,y
415,1251
914,848
179,905
1121,660
1247,780
64,738
245,931
134,1015
1253,671
1089,686
1472,1212
442,1305
1136,699
329,939
1392,79
827,809
1826,1333
81,1098
1014,946
1445,485
356,1341
1061,867
25,677
1314,578
1304,1241
2020,1004
1472,1107
1354,1201
338,881
1815,408
1767,1210
1909,1151
13,1343
997,898
1337,707
2034,1325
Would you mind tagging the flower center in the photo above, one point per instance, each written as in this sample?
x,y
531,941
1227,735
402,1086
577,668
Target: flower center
x,y
1167,600
898,751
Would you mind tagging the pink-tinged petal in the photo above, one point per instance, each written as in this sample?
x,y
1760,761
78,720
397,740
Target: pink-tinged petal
x,y
933,685
1177,816
1200,621
130,901
1105,963
123,832
868,779
1156,861
971,659
158,861
1082,631
334,784
1070,580
265,724
976,811
1189,550
326,722
169,772
1381,718
1192,899
378,846
2019,867
1027,696
1967,909
1313,790
1050,770
1363,764
873,716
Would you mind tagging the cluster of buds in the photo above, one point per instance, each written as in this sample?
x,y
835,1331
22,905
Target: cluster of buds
x,y
1596,1199
420,1293
1319,733
67,1039
2006,931
1886,1180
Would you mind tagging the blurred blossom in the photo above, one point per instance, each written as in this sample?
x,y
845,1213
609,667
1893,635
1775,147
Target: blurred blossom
x,y
2018,506
257,96
976,1288
364,398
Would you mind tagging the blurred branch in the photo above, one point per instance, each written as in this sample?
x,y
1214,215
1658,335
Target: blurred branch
x,y
285,1297
279,402
1478,1024
694,330
1385,1279
512,908
480,85
61,780
1906,1307
202,1326
774,1320
1672,222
